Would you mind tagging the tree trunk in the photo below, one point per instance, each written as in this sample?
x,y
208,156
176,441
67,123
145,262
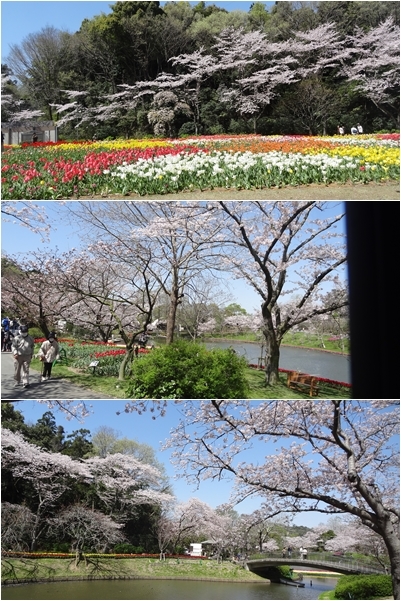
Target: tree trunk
x,y
172,312
272,354
272,358
127,360
35,530
390,535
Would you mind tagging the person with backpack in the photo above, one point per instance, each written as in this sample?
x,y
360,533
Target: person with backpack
x,y
22,348
5,324
49,352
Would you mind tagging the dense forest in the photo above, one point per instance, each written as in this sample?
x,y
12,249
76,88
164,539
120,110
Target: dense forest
x,y
143,69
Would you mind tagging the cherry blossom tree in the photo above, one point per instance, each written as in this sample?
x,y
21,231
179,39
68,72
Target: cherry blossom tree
x,y
71,409
253,531
121,482
194,519
27,214
117,482
100,298
49,475
175,241
191,519
285,249
202,300
348,535
164,531
243,323
257,68
335,457
29,291
195,69
255,92
374,64
17,523
108,291
13,106
86,528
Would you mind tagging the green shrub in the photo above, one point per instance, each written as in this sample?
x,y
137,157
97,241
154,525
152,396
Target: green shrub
x,y
363,587
36,332
285,571
185,370
127,548
186,129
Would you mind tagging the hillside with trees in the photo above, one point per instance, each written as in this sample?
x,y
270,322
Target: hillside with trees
x,y
177,70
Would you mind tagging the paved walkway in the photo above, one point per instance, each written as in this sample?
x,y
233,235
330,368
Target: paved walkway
x,y
53,389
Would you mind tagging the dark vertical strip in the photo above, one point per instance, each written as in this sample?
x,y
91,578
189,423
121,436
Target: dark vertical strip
x,y
373,241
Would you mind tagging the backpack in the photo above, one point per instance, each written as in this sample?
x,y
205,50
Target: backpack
x,y
6,324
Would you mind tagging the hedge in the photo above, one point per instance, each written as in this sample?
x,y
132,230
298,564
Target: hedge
x,y
364,587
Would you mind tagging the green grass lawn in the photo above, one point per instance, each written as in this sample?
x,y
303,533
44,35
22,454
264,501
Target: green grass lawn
x,y
38,569
113,387
103,384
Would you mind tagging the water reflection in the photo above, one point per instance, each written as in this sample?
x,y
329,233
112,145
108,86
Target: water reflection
x,y
167,589
318,363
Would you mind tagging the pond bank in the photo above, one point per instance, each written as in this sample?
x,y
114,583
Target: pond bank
x,y
305,348
17,571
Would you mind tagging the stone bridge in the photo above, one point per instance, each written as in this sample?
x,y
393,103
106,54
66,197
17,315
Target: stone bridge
x,y
267,566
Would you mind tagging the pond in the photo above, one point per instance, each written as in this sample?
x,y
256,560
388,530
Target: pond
x,y
167,589
317,363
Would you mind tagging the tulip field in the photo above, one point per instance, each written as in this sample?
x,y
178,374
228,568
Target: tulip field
x,y
65,170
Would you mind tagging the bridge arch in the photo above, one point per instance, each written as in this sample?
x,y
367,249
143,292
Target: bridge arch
x,y
263,567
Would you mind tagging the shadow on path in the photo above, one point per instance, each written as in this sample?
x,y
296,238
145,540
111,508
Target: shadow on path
x,y
56,388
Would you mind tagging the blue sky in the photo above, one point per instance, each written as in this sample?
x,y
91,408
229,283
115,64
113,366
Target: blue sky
x,y
154,432
20,18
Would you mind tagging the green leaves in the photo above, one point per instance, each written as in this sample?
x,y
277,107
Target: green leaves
x,y
188,370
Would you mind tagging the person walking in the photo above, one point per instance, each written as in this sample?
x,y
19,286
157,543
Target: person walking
x,y
48,353
359,128
5,324
6,341
22,348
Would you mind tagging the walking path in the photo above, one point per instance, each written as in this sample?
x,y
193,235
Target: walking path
x,y
53,389
372,191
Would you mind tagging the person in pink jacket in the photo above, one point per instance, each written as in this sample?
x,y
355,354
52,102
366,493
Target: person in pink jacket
x,y
49,352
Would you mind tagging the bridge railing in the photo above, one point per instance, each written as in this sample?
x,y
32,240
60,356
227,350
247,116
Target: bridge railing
x,y
324,560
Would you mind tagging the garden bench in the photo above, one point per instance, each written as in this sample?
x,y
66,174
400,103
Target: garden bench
x,y
303,382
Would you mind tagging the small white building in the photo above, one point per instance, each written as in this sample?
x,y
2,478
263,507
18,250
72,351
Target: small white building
x,y
195,549
23,131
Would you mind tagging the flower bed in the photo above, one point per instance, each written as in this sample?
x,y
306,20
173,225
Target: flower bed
x,y
63,170
81,354
49,555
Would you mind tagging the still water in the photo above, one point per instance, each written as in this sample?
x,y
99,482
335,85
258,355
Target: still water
x,y
166,589
317,363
